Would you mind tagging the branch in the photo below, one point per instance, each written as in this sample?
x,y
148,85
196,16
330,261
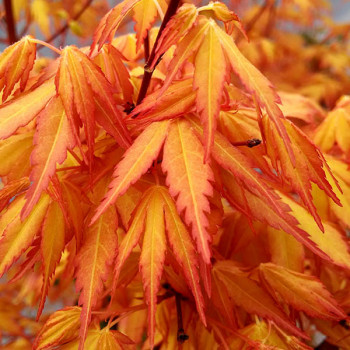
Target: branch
x,y
10,21
173,5
66,26
181,335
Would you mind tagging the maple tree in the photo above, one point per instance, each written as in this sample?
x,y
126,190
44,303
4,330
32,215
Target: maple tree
x,y
182,184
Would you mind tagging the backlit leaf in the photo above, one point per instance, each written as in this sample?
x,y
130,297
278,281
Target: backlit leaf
x,y
303,292
136,161
189,181
52,140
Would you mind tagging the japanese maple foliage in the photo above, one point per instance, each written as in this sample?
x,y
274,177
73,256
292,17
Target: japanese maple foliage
x,y
182,185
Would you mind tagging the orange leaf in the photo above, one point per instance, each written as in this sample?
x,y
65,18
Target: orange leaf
x,y
132,237
285,250
61,327
258,208
209,77
81,84
175,29
247,294
152,258
256,83
334,129
187,46
21,110
145,13
308,163
303,292
96,253
16,62
230,158
18,235
183,249
331,242
137,159
110,23
177,100
14,154
111,62
52,245
189,181
52,139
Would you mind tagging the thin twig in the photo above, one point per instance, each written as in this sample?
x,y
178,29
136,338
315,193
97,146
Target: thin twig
x,y
66,26
146,46
10,21
173,5
181,335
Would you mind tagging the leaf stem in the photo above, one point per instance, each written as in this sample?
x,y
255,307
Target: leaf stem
x,y
43,43
10,21
173,5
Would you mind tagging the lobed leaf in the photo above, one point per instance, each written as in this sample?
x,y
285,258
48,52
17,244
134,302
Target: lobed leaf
x,y
51,247
52,139
152,258
18,236
303,292
308,164
16,62
96,253
209,78
189,181
136,161
247,294
62,326
183,249
23,109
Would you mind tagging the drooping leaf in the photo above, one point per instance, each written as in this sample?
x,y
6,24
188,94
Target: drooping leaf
x,y
187,46
145,13
81,85
177,100
257,208
209,77
16,62
303,292
23,109
308,163
230,158
62,326
183,249
15,153
111,62
189,181
152,258
96,253
52,245
331,242
247,294
103,339
285,250
52,140
18,235
335,129
176,28
256,83
137,159
110,23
